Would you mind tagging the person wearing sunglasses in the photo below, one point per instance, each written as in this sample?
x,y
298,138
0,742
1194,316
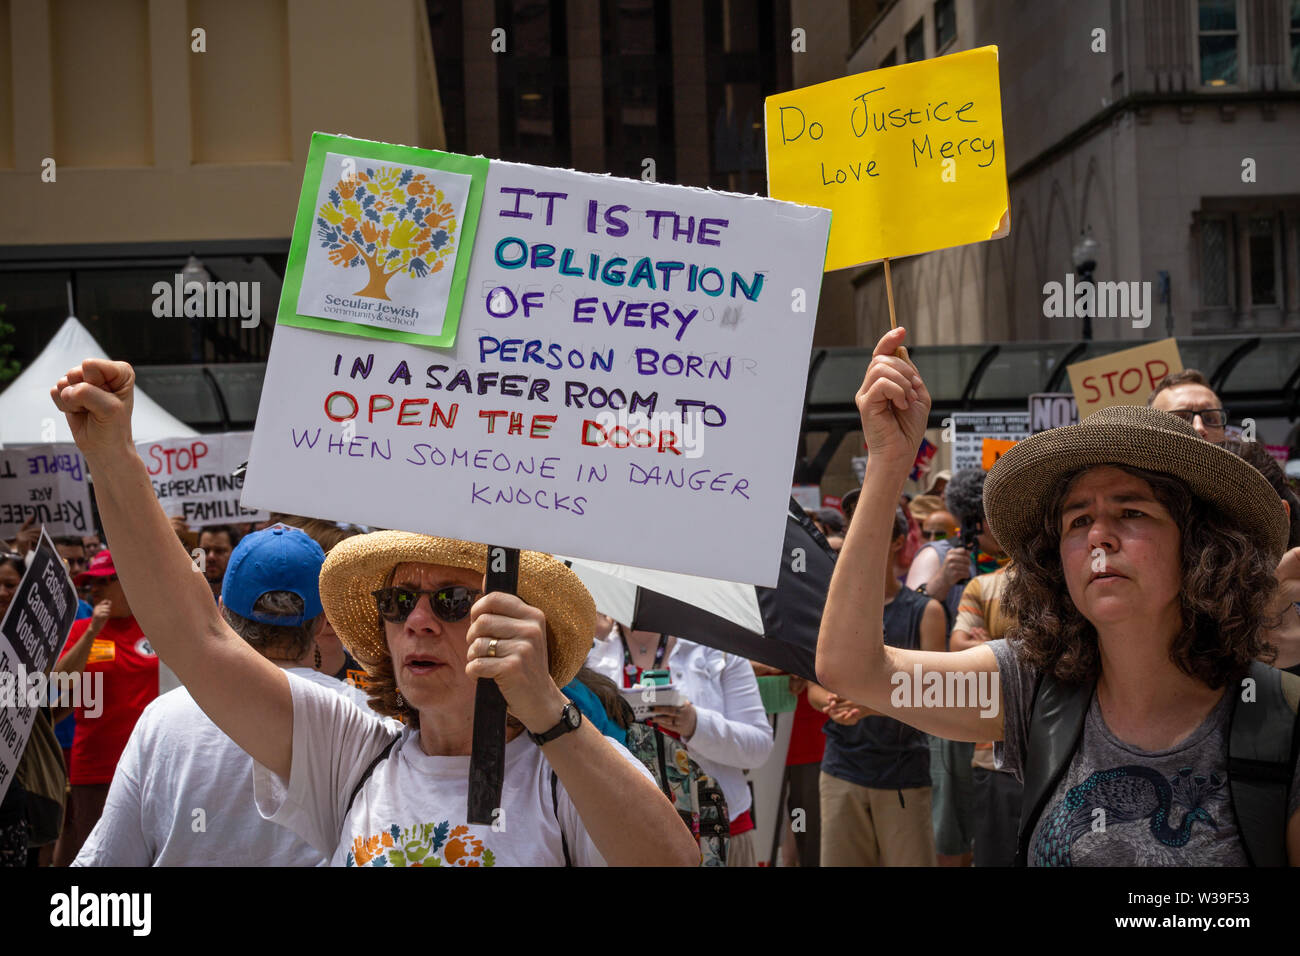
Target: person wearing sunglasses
x,y
409,608
1188,395
939,526
177,758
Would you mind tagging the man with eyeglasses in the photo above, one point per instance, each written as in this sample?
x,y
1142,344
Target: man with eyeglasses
x,y
1188,395
72,549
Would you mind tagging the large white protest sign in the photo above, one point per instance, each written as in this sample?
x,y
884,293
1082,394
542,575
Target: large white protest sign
x,y
35,626
971,428
47,484
626,383
192,477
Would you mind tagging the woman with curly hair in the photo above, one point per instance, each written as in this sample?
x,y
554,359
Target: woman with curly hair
x,y
1142,585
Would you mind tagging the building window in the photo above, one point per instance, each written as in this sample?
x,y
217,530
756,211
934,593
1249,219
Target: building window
x,y
914,42
638,95
742,51
533,83
862,17
1214,263
1263,245
891,59
446,28
1295,41
945,23
1217,37
1249,268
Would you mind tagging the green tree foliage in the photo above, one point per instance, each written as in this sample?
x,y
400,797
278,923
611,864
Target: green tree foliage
x,y
9,368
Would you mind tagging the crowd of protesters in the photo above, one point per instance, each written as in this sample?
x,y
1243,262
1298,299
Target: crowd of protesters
x,y
1113,584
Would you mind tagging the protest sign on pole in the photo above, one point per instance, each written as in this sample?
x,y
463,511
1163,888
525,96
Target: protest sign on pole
x,y
1051,410
910,158
34,628
622,385
192,477
1125,377
47,483
969,429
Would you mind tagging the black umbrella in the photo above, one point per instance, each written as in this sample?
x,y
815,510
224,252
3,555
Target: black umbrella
x,y
774,626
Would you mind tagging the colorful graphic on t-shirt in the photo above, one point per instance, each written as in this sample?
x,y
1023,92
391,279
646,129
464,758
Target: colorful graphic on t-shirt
x,y
1124,794
419,845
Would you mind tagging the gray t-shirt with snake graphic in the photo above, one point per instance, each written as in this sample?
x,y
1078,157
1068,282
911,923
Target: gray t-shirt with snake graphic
x,y
1118,805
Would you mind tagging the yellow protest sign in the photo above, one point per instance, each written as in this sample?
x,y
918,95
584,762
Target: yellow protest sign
x,y
1126,377
909,159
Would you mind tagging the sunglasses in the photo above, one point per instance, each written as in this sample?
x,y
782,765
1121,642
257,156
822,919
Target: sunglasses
x,y
450,604
934,535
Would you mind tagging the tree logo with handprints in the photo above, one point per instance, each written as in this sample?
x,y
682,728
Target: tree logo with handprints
x,y
389,220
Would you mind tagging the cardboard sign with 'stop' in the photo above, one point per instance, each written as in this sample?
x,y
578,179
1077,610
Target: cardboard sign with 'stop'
x,y
1126,377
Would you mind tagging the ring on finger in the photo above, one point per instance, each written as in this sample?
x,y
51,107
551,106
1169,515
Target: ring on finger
x,y
492,648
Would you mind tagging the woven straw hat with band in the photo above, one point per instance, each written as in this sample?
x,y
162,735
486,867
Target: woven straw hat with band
x,y
1021,483
360,565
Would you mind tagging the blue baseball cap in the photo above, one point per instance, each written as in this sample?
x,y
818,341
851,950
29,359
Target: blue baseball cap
x,y
278,558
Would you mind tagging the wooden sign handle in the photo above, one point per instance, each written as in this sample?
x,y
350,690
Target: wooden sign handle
x,y
893,320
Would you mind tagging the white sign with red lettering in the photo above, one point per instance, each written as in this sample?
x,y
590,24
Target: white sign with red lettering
x,y
192,477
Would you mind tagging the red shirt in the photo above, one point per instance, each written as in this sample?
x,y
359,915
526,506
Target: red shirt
x,y
806,738
130,681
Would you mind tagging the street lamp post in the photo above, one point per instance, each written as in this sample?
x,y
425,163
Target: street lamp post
x,y
1085,261
194,273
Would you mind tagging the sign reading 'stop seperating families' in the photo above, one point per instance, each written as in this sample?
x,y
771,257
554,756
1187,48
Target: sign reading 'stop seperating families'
x,y
625,382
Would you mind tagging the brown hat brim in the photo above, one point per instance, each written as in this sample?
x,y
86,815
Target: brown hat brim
x,y
1021,484
360,565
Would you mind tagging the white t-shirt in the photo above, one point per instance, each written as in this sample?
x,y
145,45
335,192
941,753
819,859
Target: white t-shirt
x,y
411,811
182,794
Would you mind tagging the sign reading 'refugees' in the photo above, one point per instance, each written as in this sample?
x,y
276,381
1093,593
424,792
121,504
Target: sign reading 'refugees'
x,y
46,484
626,383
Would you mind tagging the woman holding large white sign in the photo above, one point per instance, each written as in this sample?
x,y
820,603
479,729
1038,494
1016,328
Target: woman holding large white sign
x,y
1128,697
411,604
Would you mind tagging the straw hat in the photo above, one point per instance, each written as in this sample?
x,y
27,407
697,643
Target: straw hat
x,y
360,565
1020,485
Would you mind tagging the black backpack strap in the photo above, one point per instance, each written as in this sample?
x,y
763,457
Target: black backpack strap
x,y
1055,727
383,755
555,805
1263,741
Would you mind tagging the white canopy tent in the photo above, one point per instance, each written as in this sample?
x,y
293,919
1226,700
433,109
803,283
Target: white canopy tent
x,y
26,410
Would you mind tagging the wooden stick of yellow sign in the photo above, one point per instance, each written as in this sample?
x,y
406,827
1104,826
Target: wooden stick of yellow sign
x,y
893,321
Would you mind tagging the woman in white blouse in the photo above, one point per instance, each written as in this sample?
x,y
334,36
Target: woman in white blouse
x,y
722,722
